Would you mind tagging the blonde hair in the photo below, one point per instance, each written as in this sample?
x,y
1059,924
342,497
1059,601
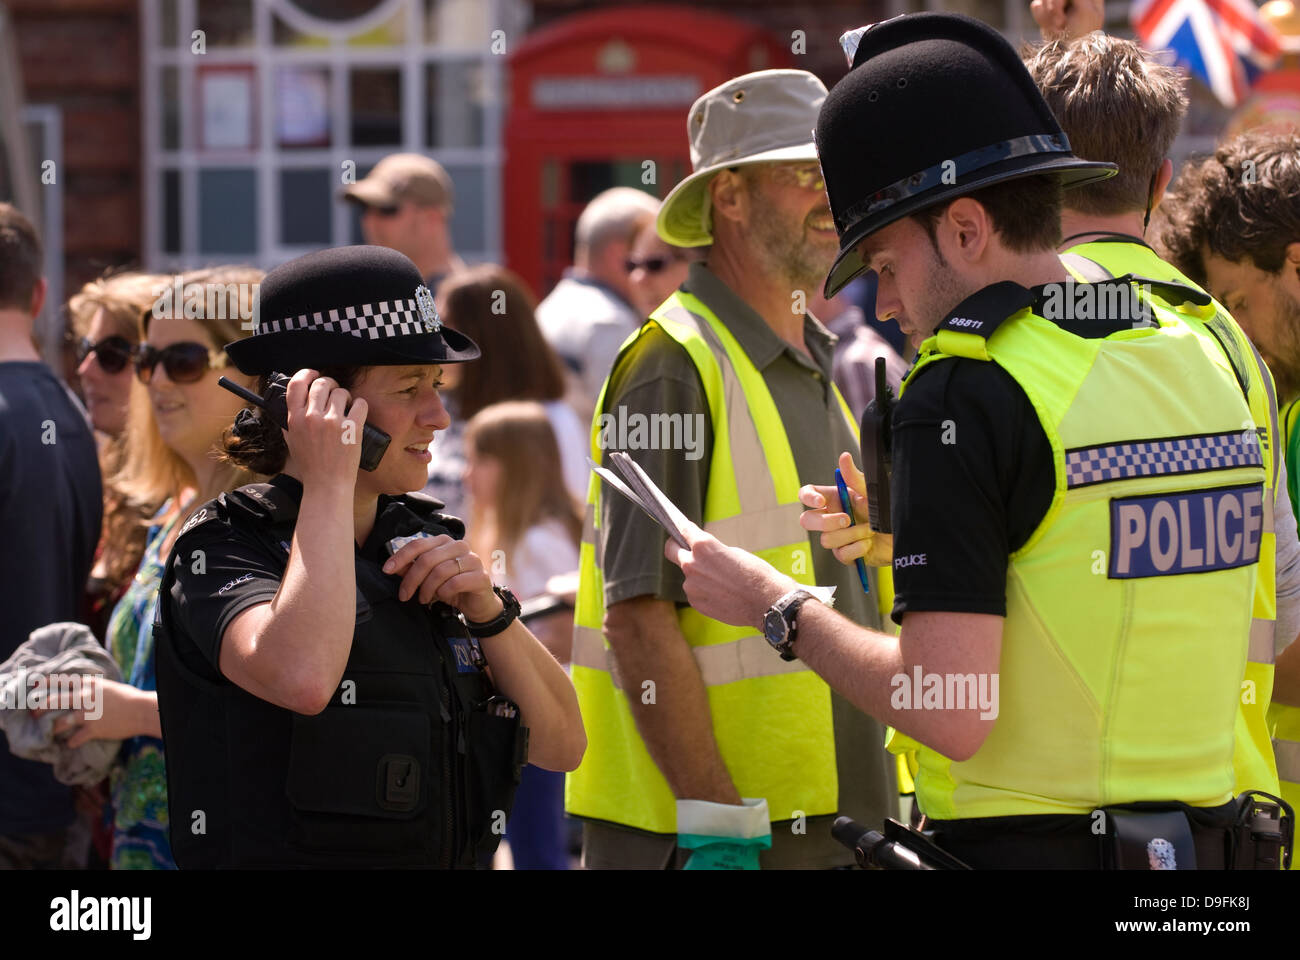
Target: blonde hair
x,y
152,471
1116,104
124,297
518,435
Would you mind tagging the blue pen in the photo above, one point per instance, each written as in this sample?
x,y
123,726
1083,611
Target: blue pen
x,y
848,508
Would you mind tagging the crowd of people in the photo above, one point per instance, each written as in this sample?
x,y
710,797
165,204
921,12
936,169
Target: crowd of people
x,y
686,706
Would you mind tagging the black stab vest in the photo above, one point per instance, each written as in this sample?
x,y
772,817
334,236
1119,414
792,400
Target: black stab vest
x,y
412,763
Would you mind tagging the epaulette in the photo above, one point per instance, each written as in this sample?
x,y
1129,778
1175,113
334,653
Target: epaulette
x,y
983,312
263,503
210,512
1171,291
429,510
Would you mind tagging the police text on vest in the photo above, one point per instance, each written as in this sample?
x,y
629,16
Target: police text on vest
x,y
76,913
1164,535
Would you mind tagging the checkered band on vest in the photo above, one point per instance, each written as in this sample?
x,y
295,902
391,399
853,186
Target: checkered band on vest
x,y
388,318
1147,458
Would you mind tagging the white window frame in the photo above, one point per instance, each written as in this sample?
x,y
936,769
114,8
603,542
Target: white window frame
x,y
268,158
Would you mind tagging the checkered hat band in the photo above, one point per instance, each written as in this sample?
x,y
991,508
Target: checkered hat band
x,y
369,321
1150,458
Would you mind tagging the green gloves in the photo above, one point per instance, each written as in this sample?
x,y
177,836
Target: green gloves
x,y
722,836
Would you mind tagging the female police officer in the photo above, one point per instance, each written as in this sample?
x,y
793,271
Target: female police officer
x,y
324,703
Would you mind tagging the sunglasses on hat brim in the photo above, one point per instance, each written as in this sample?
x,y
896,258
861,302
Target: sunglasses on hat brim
x,y
184,362
112,353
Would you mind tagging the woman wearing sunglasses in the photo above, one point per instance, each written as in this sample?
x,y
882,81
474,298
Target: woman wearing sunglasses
x,y
339,682
104,319
170,457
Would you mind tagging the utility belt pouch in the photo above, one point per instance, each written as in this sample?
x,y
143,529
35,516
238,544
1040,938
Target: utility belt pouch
x,y
1147,840
1263,833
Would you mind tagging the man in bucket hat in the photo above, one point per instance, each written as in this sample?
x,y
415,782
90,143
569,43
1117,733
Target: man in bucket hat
x,y
1055,654
704,742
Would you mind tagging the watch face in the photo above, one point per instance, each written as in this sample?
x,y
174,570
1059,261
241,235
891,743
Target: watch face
x,y
775,628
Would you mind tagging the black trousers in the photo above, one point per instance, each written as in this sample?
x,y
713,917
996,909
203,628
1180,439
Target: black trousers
x,y
1053,842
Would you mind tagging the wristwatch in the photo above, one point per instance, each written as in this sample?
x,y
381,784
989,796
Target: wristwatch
x,y
779,623
491,628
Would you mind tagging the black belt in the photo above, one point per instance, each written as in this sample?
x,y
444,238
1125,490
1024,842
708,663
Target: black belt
x,y
1062,842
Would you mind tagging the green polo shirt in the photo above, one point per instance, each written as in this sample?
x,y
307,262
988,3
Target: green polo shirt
x,y
657,376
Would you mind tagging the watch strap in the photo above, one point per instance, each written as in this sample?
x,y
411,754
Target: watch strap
x,y
490,628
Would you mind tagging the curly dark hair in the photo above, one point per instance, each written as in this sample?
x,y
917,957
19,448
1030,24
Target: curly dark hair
x,y
260,446
1241,202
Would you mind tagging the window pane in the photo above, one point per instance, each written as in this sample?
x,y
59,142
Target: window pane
x,y
305,206
228,211
467,222
171,211
455,104
376,97
302,107
225,23
171,109
169,25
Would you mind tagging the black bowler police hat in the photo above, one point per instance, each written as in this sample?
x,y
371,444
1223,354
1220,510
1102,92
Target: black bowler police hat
x,y
347,306
936,105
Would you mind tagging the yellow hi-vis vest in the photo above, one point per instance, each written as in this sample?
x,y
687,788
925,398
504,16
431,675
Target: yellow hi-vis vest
x,y
1128,609
1254,757
771,718
1284,720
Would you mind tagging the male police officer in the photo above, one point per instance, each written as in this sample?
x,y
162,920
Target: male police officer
x,y
1117,103
1052,660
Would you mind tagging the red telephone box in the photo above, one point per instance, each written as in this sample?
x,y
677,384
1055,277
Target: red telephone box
x,y
595,98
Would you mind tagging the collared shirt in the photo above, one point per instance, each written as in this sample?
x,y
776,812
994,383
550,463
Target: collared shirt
x,y
657,376
586,322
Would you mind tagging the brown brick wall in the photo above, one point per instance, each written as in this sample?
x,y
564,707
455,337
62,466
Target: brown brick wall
x,y
83,56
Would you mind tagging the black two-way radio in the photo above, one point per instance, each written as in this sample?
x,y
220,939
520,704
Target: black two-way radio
x,y
374,442
876,434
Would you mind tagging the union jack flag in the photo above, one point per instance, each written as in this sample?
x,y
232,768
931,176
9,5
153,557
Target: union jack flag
x,y
1224,42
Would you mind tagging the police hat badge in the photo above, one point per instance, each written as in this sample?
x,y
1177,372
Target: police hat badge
x,y
428,312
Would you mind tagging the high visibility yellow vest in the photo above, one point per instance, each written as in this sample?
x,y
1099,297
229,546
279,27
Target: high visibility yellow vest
x,y
771,718
1129,607
1284,720
1254,758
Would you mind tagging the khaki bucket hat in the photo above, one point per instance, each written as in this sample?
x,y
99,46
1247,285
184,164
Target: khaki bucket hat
x,y
761,117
